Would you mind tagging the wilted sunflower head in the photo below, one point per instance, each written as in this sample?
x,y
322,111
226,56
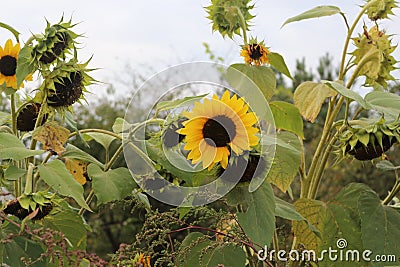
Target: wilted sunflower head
x,y
67,83
244,168
8,65
170,137
376,45
255,52
27,116
381,9
367,139
57,41
226,16
218,126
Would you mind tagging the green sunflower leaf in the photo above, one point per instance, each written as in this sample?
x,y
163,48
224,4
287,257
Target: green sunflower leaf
x,y
112,185
258,221
262,76
316,12
338,87
277,61
56,175
309,97
204,253
286,161
386,166
166,105
12,148
73,152
103,139
287,117
12,173
71,225
25,64
385,102
18,247
379,227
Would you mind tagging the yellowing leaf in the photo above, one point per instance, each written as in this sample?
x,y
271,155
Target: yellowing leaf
x,y
315,212
52,136
78,169
309,97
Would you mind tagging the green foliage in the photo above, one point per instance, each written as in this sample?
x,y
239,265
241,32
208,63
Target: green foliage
x,y
263,77
111,185
12,148
287,117
60,179
258,221
316,12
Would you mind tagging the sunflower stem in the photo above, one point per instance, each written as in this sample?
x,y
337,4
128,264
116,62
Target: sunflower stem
x,y
29,180
394,191
242,25
32,38
350,31
13,115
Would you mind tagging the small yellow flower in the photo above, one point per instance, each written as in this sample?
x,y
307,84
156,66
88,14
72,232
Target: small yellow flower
x,y
217,126
255,53
143,261
8,64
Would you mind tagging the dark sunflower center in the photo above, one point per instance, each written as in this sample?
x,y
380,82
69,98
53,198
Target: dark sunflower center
x,y
8,65
255,51
219,131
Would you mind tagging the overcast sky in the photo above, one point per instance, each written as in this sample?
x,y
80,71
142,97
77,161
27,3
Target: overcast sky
x,y
161,33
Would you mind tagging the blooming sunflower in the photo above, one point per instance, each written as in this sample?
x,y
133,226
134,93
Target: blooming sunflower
x,y
255,52
217,126
8,64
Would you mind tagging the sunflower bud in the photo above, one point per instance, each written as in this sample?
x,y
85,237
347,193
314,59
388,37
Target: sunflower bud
x,y
229,16
381,9
56,42
367,139
377,45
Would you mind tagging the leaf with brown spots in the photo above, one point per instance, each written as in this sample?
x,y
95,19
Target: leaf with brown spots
x,y
78,169
52,136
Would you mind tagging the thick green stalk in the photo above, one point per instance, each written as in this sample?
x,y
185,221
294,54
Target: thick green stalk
x,y
348,38
29,180
394,191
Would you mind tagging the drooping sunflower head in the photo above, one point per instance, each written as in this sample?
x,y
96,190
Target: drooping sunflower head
x,y
27,116
218,126
67,83
375,44
8,65
381,9
170,137
367,139
57,41
226,15
255,52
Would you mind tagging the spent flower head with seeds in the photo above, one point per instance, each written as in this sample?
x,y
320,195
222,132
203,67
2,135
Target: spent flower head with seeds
x,y
57,41
67,83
